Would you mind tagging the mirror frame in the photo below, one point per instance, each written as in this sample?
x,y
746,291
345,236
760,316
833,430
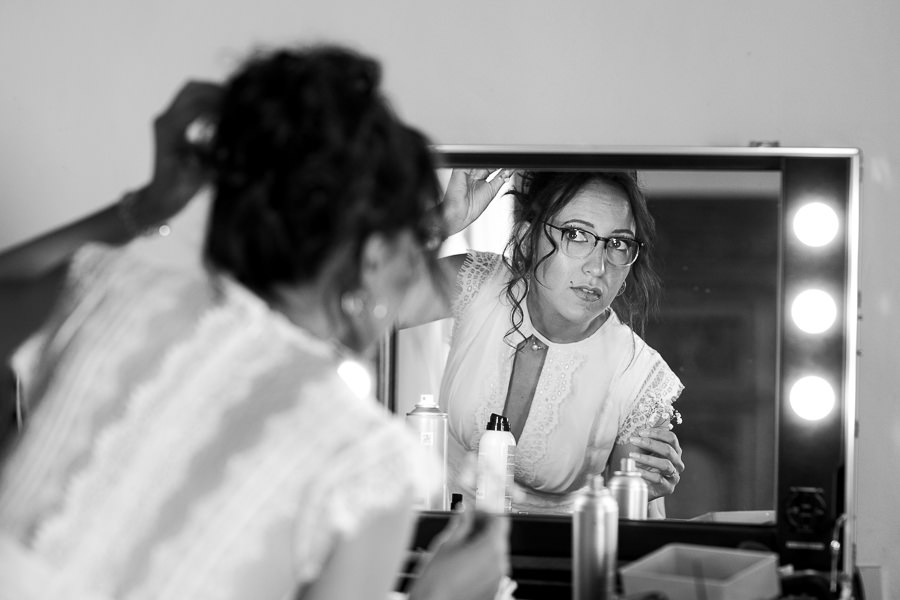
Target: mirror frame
x,y
815,478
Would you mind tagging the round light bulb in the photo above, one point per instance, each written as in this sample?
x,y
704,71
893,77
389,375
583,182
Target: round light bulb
x,y
812,398
815,224
814,311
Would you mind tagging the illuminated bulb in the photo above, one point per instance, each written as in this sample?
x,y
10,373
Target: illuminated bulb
x,y
812,398
357,377
813,311
815,224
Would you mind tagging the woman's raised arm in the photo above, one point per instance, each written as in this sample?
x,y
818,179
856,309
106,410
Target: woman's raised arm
x,y
176,179
468,194
32,273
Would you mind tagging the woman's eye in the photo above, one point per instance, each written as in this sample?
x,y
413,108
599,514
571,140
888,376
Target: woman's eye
x,y
575,235
619,244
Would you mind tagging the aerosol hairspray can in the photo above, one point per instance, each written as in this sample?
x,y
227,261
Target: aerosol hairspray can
x,y
429,423
595,537
630,491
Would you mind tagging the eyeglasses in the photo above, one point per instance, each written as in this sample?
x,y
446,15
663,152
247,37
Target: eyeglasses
x,y
578,243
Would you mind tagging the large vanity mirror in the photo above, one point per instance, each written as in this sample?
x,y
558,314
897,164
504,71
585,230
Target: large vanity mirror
x,y
757,255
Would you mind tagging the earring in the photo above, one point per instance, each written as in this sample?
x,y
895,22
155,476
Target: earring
x,y
352,303
622,289
379,311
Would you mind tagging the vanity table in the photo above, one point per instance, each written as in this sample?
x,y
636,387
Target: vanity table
x,y
759,318
541,554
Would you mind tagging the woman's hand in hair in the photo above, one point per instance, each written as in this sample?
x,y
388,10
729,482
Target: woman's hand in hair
x,y
179,133
468,193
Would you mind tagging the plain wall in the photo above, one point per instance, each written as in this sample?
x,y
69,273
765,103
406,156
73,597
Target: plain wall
x,y
82,80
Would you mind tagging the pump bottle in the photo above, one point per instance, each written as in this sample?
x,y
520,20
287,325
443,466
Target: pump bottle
x,y
496,467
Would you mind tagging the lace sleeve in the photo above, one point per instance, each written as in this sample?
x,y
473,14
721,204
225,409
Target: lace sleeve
x,y
653,405
476,269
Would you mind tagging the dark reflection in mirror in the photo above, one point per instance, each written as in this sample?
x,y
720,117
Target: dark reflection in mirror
x,y
717,329
718,256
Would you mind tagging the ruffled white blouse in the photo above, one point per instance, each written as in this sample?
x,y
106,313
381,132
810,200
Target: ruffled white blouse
x,y
590,395
185,441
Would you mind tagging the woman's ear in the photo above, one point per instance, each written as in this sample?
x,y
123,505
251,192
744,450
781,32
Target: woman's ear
x,y
376,251
387,262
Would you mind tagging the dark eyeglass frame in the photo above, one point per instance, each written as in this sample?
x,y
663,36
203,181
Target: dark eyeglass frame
x,y
599,238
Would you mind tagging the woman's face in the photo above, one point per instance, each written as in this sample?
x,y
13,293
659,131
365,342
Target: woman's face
x,y
570,297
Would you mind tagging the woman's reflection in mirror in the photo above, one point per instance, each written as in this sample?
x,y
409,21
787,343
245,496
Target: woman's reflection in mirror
x,y
548,334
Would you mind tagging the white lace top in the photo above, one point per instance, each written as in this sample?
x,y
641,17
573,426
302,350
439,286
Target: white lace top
x,y
590,395
185,441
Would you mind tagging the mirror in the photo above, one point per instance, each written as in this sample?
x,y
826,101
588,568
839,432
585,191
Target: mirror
x,y
733,266
717,256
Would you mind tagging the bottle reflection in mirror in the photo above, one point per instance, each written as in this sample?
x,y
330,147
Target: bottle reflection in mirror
x,y
630,491
496,467
429,424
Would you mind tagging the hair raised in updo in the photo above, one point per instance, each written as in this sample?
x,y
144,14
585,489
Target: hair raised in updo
x,y
308,157
538,199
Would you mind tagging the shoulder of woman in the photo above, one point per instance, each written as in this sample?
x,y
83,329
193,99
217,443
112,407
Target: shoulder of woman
x,y
475,269
96,262
479,267
92,259
623,335
479,261
638,361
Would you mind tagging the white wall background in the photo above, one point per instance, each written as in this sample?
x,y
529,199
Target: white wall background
x,y
80,82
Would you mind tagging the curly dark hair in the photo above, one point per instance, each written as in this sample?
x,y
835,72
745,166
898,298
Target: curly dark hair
x,y
541,196
307,157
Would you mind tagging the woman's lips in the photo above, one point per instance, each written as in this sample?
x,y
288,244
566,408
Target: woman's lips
x,y
588,294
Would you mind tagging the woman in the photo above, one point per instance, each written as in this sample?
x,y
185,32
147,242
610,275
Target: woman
x,y
545,335
193,433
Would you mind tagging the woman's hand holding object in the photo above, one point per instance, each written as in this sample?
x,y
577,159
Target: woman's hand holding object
x,y
659,460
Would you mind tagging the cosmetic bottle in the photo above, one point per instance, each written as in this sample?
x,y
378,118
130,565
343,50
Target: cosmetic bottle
x,y
429,424
595,536
496,467
630,491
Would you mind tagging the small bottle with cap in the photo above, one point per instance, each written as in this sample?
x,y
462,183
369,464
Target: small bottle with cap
x,y
630,491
